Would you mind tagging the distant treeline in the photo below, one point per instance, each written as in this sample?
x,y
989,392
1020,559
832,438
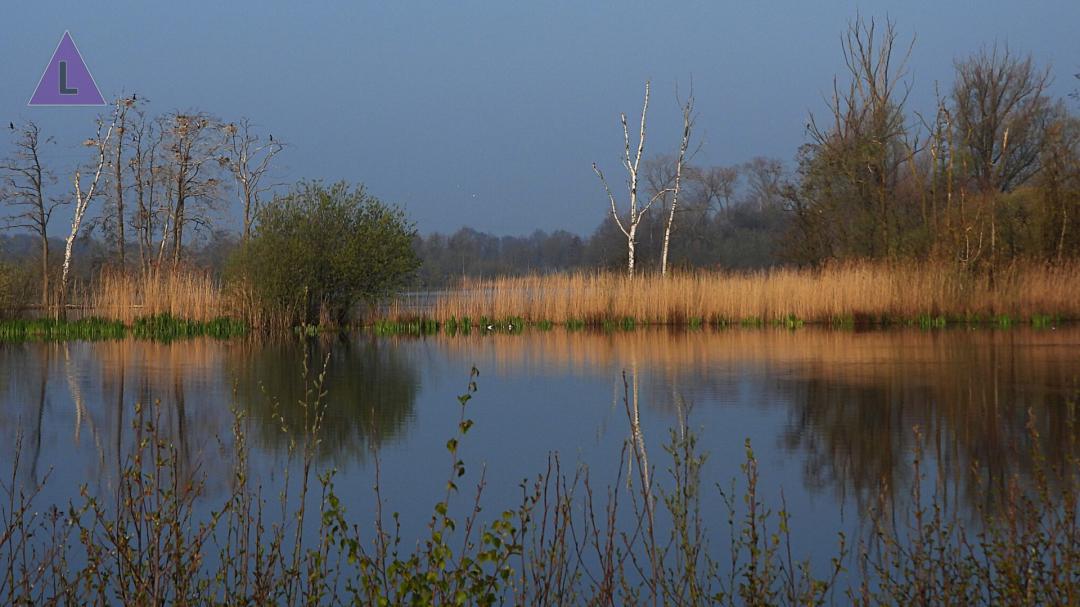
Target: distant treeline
x,y
730,217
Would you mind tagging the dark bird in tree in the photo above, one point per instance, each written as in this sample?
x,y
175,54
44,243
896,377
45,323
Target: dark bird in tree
x,y
271,136
11,125
133,97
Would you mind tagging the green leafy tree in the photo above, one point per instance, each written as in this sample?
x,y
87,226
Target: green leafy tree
x,y
320,251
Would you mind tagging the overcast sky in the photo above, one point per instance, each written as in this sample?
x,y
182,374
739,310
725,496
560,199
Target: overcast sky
x,y
490,114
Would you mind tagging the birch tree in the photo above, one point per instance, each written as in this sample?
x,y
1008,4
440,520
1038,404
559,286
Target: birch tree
x,y
116,169
248,158
22,190
688,121
83,198
632,163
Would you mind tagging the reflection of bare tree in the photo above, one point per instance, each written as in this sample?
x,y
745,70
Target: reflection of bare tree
x,y
849,436
43,378
75,390
852,398
637,437
971,406
181,425
156,376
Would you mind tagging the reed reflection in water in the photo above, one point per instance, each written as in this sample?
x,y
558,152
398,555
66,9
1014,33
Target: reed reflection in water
x,y
835,407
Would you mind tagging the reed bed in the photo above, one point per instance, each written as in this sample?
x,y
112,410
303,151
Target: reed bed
x,y
855,292
187,293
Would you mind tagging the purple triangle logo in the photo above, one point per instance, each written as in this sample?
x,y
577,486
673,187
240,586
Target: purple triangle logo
x,y
66,80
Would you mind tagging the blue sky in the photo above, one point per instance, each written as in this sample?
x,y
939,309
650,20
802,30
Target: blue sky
x,y
490,114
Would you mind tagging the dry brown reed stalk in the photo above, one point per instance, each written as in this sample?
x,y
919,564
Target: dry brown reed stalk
x,y
851,291
183,292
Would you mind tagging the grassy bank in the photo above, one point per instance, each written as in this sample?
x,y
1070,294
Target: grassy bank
x,y
644,540
156,327
850,294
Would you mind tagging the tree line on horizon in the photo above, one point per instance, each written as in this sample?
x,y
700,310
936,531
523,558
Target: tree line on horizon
x,y
731,217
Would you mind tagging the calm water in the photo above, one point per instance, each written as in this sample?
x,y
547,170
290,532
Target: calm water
x,y
830,413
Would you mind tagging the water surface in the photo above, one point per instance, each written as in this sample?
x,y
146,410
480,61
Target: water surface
x,y
830,414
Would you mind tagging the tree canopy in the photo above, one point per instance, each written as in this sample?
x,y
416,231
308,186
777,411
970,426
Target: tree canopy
x,y
320,251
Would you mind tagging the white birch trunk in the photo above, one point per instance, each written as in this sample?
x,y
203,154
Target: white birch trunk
x,y
688,111
82,202
632,163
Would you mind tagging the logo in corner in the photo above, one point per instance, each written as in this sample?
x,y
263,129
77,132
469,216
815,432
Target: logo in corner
x,y
66,80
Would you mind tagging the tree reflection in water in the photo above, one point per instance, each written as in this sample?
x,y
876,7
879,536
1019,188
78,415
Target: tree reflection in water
x,y
852,399
847,401
371,389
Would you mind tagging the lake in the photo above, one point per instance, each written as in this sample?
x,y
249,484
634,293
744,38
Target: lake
x,y
830,413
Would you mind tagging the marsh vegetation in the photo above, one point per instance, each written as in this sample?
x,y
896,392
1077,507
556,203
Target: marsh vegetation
x,y
283,451
646,535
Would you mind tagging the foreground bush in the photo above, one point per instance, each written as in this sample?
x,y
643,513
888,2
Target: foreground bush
x,y
642,541
319,251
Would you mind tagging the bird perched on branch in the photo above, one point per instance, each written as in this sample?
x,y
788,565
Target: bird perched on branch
x,y
11,125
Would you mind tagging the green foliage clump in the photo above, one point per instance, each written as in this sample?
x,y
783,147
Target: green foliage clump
x,y
48,329
321,250
411,326
166,327
159,327
14,287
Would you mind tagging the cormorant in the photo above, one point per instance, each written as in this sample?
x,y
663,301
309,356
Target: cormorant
x,y
271,136
11,125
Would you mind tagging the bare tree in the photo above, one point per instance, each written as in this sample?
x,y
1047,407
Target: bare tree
x,y
632,164
23,192
248,159
688,121
716,184
764,178
1002,115
853,164
1059,183
83,199
145,138
192,153
116,166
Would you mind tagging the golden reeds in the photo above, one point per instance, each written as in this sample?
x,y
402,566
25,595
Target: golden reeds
x,y
857,291
188,293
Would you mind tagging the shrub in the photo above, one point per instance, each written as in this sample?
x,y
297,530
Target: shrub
x,y
319,251
14,289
